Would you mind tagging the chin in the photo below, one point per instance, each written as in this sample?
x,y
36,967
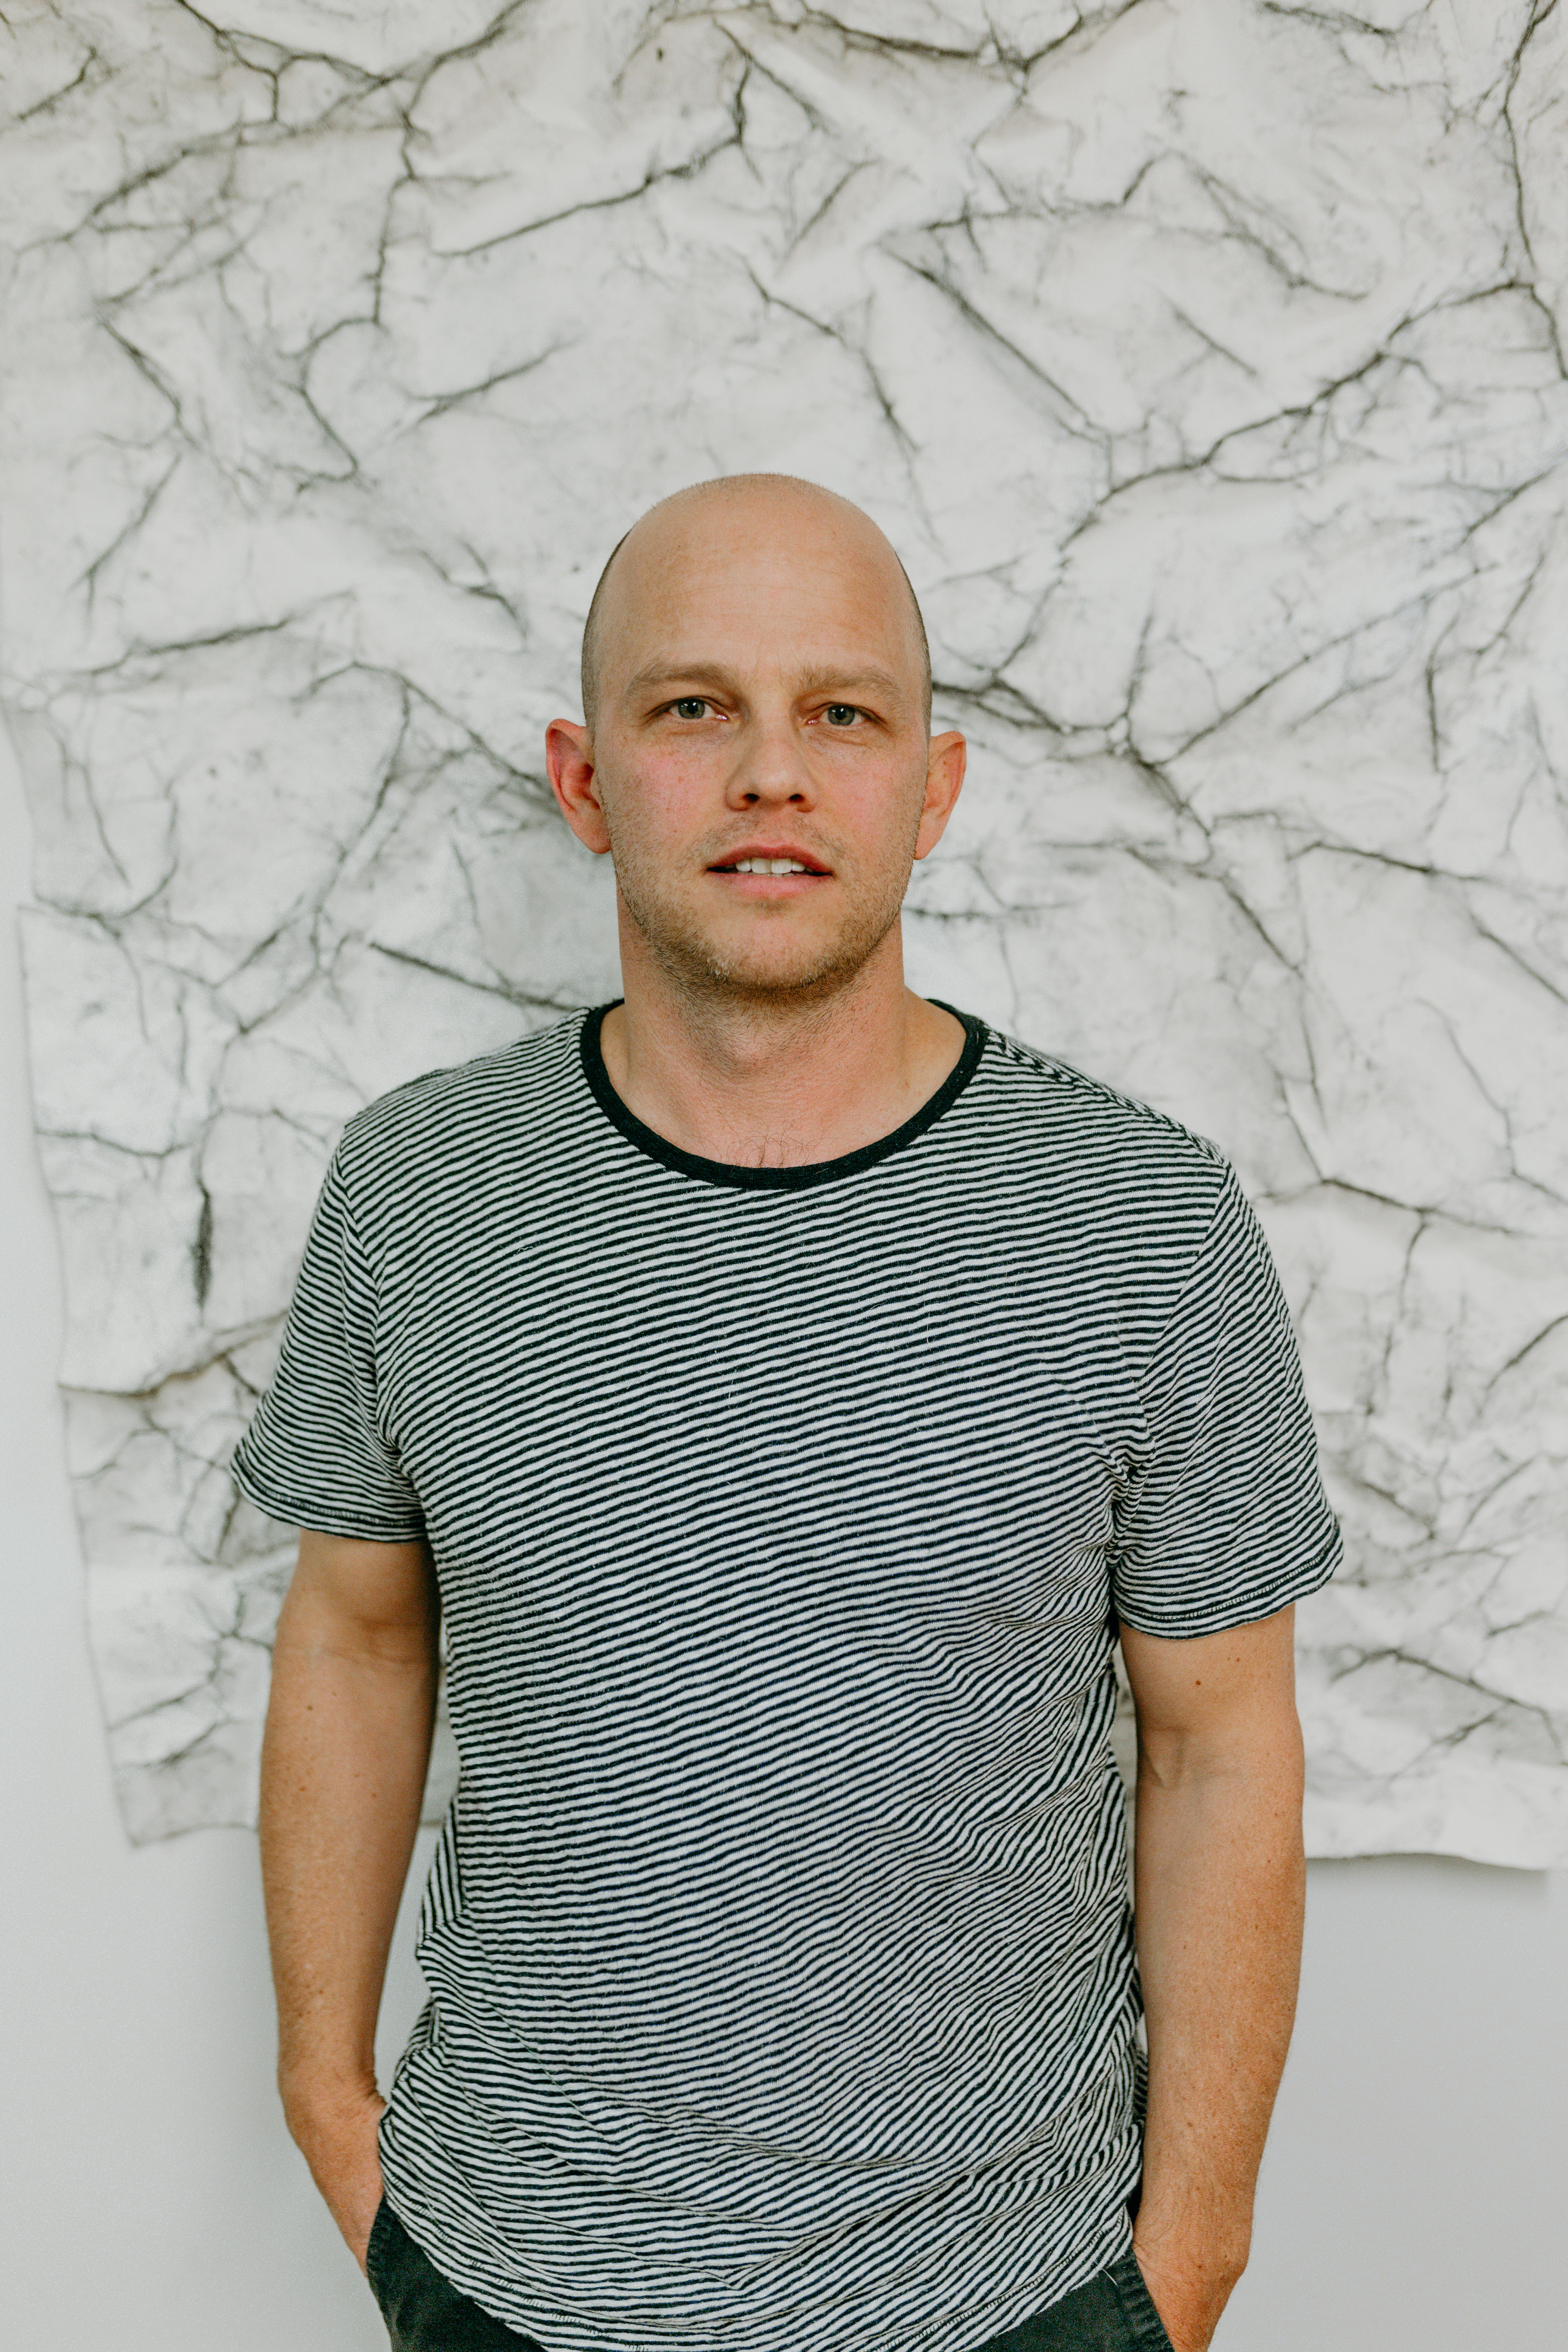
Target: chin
x,y
775,976
795,967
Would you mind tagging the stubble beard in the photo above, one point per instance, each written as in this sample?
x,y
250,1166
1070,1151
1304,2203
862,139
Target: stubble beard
x,y
745,977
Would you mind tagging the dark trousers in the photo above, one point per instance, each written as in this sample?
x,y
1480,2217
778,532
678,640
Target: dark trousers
x,y
425,2313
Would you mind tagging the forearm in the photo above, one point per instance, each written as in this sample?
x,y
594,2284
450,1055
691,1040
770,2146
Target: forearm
x,y
1219,1901
343,1764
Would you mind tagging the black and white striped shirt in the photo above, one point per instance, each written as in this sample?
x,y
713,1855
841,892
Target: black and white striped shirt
x,y
781,1972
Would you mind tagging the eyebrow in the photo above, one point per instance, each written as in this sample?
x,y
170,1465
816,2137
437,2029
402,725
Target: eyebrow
x,y
822,679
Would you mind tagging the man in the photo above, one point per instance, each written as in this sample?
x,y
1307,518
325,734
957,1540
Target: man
x,y
785,1391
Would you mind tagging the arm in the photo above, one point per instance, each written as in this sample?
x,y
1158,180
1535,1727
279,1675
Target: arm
x,y
1219,1895
343,1775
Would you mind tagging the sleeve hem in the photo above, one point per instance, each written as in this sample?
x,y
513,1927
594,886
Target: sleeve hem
x,y
327,1519
1249,1609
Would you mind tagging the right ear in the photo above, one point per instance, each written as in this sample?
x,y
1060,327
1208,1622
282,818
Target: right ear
x,y
573,779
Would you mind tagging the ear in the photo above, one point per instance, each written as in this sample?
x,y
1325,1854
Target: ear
x,y
573,779
944,779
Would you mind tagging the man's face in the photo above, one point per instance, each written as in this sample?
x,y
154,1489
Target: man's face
x,y
761,705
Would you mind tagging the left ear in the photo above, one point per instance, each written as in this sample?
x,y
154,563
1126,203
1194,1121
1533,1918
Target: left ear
x,y
945,764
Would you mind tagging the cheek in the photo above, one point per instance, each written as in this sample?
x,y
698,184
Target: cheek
x,y
658,805
882,815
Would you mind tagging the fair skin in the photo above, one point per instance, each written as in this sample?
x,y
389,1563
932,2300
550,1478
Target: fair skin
x,y
760,695
1220,1896
343,1761
761,690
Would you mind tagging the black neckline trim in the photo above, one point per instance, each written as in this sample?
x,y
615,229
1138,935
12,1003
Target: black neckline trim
x,y
773,1180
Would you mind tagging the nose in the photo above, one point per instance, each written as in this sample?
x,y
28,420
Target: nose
x,y
771,770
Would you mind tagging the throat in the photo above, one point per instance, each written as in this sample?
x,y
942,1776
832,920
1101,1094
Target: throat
x,y
779,1094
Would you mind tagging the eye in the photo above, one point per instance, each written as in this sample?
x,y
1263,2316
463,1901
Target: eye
x,y
690,706
841,714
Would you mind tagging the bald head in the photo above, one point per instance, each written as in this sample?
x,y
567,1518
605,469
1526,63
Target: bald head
x,y
748,529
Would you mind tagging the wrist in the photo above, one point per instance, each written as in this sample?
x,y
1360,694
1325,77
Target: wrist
x,y
1190,2278
1188,2219
1203,2255
334,2122
319,2101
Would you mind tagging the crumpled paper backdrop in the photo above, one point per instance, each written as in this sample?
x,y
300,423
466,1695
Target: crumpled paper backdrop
x,y
1206,363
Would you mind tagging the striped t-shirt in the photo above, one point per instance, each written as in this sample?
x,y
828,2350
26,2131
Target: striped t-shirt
x,y
781,1970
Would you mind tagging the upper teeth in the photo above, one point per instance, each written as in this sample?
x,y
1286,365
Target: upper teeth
x,y
769,865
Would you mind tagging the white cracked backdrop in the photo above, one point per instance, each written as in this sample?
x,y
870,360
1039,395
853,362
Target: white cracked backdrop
x,y
1206,362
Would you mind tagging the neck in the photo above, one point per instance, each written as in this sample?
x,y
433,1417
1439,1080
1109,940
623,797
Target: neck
x,y
776,1080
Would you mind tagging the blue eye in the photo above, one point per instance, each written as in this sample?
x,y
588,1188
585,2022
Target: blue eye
x,y
690,706
841,714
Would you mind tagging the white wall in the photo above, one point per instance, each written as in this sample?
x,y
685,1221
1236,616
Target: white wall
x,y
150,2200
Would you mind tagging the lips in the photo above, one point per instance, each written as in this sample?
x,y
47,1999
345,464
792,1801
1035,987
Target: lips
x,y
771,860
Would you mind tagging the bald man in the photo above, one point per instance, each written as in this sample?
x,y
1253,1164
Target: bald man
x,y
784,1391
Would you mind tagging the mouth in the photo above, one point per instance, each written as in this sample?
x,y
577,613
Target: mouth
x,y
774,864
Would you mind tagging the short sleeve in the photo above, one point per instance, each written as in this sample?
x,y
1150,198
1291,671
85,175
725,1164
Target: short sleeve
x,y
315,1455
1224,1520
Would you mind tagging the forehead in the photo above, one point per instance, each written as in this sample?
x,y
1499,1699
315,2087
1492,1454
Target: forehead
x,y
784,584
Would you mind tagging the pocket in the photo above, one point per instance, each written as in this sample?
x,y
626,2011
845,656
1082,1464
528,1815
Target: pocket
x,y
375,2247
1147,2330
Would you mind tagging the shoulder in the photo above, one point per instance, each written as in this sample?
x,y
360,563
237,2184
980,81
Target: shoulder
x,y
1087,1131
1149,1212
444,1115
